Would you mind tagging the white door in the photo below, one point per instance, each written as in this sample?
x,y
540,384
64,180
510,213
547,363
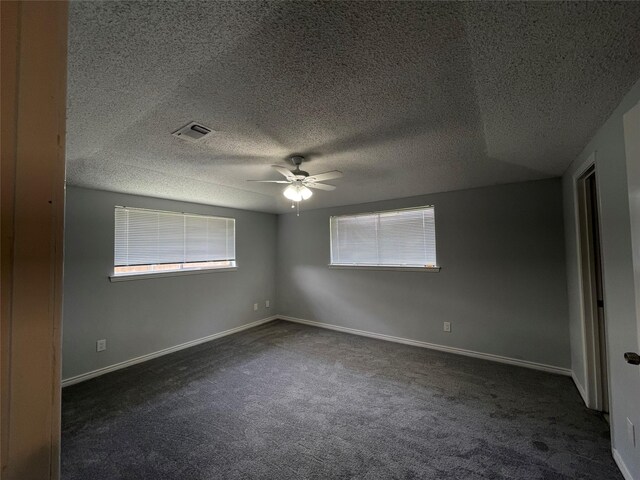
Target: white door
x,y
632,149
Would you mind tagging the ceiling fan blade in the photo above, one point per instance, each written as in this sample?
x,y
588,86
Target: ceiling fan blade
x,y
269,181
319,186
321,177
284,171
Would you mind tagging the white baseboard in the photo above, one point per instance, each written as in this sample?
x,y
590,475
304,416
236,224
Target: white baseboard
x,y
117,366
433,346
581,390
470,353
622,466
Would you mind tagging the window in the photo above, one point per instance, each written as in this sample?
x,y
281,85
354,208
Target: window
x,y
396,238
151,241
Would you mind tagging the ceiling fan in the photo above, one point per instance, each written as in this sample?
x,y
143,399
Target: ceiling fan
x,y
300,182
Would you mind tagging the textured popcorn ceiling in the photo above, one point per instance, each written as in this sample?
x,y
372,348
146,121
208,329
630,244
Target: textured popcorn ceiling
x,y
405,98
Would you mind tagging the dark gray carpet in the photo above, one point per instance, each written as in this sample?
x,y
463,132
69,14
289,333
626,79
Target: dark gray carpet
x,y
287,401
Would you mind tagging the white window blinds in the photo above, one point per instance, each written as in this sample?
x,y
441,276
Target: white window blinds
x,y
404,238
151,237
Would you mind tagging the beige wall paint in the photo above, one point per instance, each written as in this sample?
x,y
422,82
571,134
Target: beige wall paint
x,y
34,39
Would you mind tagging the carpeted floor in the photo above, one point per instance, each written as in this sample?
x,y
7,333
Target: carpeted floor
x,y
287,401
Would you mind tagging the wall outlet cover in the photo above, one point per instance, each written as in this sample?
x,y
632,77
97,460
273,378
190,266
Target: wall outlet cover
x,y
255,307
447,327
101,345
267,304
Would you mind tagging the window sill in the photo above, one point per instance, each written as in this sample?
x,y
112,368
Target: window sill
x,y
141,276
395,268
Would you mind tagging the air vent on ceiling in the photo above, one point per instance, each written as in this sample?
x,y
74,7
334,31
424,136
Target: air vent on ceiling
x,y
192,131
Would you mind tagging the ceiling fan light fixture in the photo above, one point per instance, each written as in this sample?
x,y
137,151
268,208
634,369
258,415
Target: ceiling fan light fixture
x,y
306,193
297,192
292,193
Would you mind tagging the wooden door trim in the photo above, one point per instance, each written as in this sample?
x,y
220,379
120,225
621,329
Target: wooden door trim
x,y
33,123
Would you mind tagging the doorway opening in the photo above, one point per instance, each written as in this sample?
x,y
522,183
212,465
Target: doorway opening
x,y
593,291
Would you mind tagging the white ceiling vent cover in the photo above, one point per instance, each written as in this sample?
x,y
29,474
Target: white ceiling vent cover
x,y
192,131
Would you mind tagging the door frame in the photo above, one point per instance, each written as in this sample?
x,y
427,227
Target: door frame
x,y
593,388
34,66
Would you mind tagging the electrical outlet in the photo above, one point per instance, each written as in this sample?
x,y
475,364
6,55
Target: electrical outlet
x,y
267,304
255,307
631,432
447,327
101,345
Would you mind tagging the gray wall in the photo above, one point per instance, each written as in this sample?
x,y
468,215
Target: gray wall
x,y
608,144
143,316
502,283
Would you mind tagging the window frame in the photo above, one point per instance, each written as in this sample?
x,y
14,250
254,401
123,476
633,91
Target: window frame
x,y
119,277
380,267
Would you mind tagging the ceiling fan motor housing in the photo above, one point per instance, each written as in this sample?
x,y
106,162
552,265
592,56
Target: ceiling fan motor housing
x,y
297,161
